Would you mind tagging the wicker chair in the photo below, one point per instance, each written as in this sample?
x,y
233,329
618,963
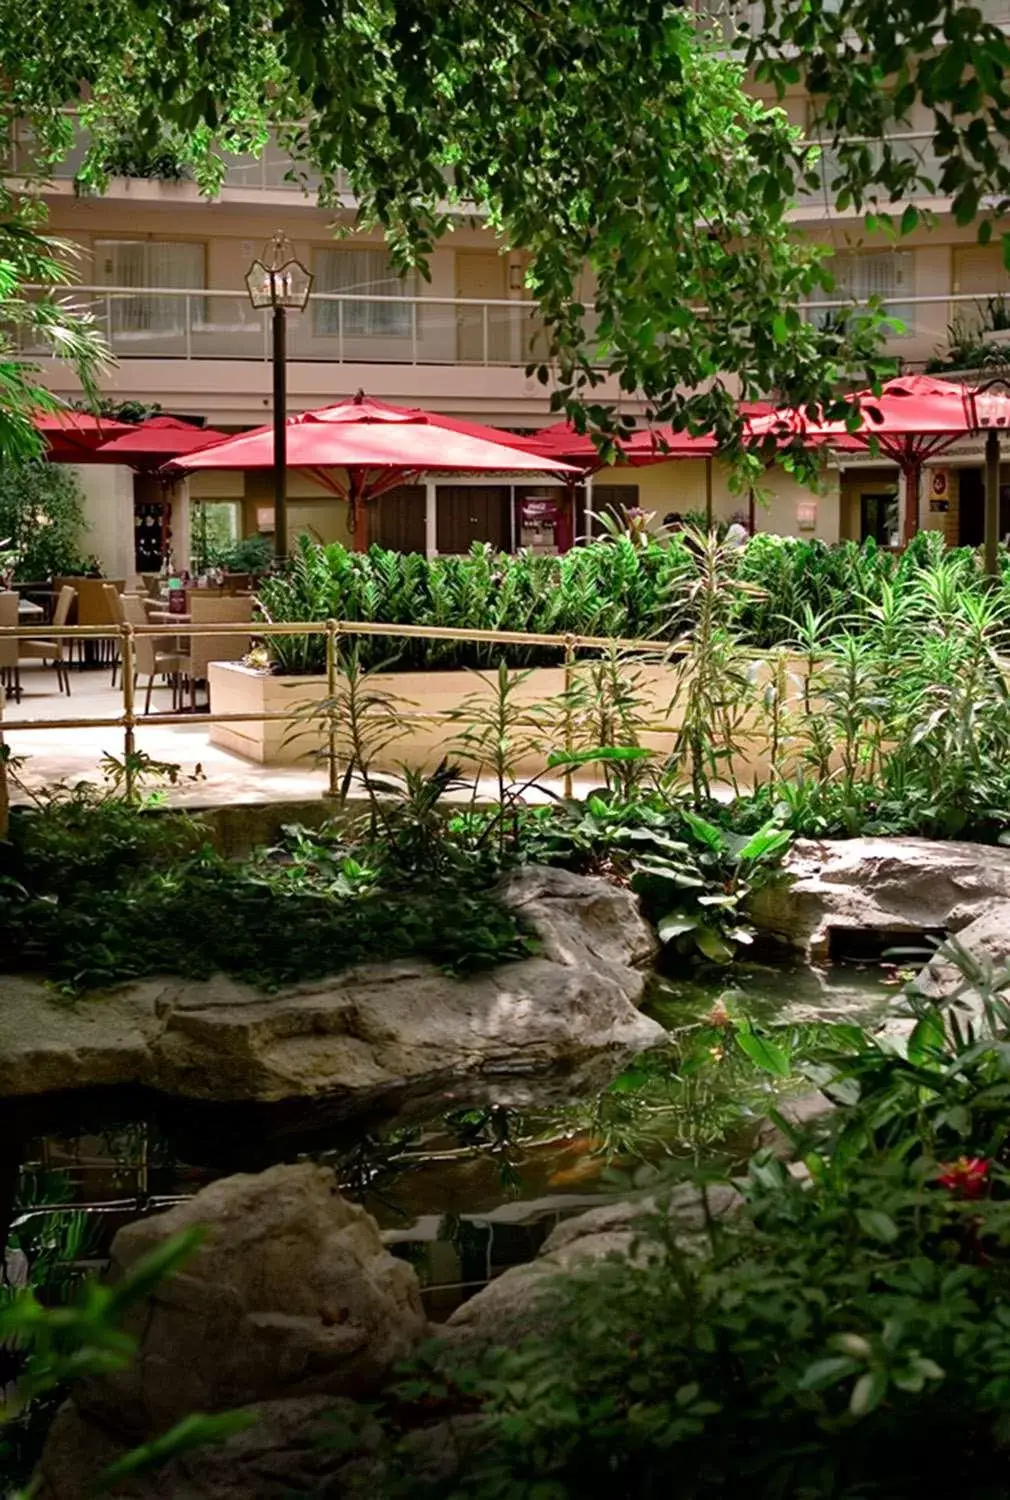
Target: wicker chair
x,y
154,656
10,672
203,649
54,650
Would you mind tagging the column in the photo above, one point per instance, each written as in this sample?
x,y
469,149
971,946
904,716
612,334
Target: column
x,y
431,518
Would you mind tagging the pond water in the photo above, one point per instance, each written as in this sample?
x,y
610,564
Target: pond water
x,y
463,1193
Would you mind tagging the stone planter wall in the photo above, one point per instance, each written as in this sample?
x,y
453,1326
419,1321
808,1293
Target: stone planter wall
x,y
429,699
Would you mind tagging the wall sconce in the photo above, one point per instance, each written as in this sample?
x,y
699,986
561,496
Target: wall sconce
x,y
516,275
806,515
265,520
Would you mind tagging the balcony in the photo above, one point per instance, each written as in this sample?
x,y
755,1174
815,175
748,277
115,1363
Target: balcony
x,y
912,146
337,328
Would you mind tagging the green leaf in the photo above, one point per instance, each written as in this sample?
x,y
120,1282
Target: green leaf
x,y
877,1224
606,754
868,1392
767,1055
705,832
825,1372
713,945
674,926
928,1038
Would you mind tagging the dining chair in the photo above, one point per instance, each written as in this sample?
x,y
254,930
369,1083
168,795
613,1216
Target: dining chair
x,y
214,609
114,605
10,672
153,655
54,650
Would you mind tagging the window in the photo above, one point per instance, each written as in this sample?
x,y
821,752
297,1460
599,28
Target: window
x,y
150,264
371,273
858,277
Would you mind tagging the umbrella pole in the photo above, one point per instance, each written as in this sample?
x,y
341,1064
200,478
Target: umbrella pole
x,y
913,482
992,502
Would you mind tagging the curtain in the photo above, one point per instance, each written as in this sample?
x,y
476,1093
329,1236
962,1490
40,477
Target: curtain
x,y
150,263
858,277
368,271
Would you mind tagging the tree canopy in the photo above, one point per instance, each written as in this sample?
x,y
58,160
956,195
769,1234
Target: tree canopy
x,y
613,134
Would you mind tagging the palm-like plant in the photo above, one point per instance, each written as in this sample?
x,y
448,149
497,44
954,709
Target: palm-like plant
x,y
32,317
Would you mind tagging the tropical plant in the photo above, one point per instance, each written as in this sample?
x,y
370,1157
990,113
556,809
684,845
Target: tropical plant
x,y
807,1337
42,521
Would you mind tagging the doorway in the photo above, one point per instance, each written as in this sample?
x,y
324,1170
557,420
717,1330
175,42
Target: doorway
x,y
482,333
971,507
396,519
472,513
878,518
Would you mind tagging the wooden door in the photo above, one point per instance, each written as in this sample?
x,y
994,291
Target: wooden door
x,y
472,513
482,333
396,519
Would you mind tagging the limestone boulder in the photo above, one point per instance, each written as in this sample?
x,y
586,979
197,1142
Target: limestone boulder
x,y
290,1297
889,885
369,1035
516,1304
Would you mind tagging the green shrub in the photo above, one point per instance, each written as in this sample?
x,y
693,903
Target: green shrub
x,y
605,589
42,518
844,1334
94,891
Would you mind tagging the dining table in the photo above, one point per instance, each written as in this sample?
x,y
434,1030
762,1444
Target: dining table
x,y
29,611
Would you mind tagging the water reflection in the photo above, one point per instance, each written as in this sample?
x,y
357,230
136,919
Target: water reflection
x,y
462,1192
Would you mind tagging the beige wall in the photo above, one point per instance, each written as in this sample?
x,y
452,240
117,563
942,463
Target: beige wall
x,y
108,509
679,485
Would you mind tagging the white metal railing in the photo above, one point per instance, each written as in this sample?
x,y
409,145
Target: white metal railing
x,y
341,328
356,328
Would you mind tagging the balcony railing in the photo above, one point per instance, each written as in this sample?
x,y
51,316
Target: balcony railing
x,y
914,146
186,323
343,328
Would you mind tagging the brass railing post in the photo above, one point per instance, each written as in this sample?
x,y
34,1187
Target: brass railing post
x,y
569,722
332,640
5,800
129,717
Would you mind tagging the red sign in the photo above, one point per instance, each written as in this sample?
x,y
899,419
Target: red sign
x,y
536,512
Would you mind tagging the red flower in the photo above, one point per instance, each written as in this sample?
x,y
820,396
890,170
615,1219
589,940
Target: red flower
x,y
968,1177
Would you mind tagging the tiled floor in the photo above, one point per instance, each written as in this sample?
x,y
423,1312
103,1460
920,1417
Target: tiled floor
x,y
209,776
53,755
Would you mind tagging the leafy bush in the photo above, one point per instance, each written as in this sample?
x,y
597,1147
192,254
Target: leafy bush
x,y
803,1346
93,891
606,589
250,554
42,518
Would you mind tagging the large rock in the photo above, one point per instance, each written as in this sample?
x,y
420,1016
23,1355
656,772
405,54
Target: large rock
x,y
290,1296
516,1303
368,1034
890,885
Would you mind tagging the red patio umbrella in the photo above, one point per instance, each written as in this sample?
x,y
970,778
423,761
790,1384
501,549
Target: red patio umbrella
x,y
914,418
75,436
645,445
157,441
379,446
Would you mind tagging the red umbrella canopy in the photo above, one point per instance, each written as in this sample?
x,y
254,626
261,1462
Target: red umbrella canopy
x,y
645,445
75,436
157,441
380,446
913,417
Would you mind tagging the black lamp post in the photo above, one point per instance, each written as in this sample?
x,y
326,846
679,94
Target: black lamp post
x,y
279,281
990,405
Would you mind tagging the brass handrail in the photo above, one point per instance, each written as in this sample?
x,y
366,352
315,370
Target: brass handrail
x,y
332,630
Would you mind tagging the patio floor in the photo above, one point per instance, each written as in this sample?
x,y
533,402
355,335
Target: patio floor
x,y
54,755
208,775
